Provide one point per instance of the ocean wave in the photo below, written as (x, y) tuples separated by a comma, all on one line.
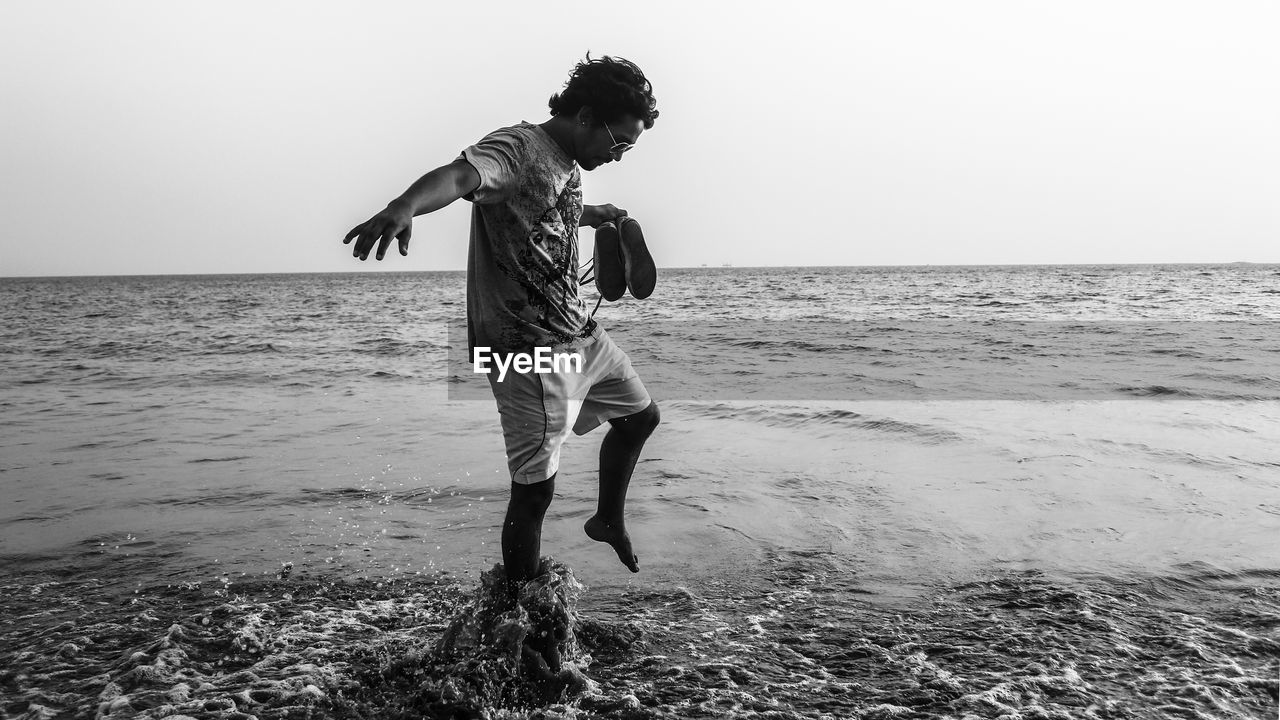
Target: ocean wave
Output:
[(238, 348), (392, 375), (825, 419), (1182, 393), (1158, 391), (391, 347), (242, 496)]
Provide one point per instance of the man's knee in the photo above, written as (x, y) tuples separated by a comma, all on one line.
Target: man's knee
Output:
[(533, 498), (641, 424)]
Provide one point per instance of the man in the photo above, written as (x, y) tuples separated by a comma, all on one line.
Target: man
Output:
[(522, 292)]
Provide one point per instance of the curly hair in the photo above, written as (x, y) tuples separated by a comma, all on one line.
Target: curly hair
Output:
[(611, 87)]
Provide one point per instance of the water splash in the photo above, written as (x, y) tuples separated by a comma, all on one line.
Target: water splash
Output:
[(291, 648), (511, 647), (797, 641)]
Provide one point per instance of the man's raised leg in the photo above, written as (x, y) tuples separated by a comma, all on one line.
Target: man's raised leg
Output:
[(618, 455), (522, 530)]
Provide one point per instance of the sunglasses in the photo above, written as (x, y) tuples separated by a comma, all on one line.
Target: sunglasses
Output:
[(618, 147)]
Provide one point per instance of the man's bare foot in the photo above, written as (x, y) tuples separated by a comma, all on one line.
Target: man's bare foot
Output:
[(616, 535), (610, 270), (641, 273)]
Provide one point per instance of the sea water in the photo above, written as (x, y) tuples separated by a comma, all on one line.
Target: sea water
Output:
[(1020, 492)]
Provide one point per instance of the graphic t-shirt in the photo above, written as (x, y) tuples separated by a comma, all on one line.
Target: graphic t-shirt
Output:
[(522, 267)]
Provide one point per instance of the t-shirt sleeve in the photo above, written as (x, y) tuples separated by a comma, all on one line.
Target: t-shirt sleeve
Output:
[(497, 159)]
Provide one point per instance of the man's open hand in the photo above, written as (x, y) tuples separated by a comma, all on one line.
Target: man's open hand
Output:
[(395, 221)]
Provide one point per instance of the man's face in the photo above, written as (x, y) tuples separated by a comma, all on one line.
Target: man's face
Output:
[(609, 142)]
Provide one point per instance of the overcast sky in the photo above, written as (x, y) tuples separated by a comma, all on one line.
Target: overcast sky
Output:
[(185, 137)]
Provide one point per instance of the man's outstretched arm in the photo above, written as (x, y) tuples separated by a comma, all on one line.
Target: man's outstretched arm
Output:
[(428, 194)]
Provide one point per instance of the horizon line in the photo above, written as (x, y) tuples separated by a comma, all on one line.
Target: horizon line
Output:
[(673, 267)]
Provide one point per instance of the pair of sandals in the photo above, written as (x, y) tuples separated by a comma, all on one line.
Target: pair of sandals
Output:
[(622, 261)]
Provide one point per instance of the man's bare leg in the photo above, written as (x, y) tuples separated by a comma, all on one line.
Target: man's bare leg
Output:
[(618, 455), (521, 557), (522, 530)]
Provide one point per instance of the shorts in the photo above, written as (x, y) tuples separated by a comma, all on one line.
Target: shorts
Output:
[(539, 409)]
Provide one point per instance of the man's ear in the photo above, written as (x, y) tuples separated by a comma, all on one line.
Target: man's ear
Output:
[(585, 115)]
